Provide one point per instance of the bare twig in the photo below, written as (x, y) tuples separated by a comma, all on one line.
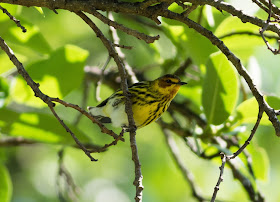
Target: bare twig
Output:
[(135, 33), (275, 9), (13, 19), (275, 16), (189, 10), (226, 158), (111, 144), (247, 142), (264, 28), (233, 141), (223, 6), (116, 39), (72, 134), (216, 189), (123, 46)]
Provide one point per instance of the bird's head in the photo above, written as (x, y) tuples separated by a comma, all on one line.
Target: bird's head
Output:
[(168, 84)]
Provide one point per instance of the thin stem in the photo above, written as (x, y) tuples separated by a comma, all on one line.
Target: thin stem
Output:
[(13, 19)]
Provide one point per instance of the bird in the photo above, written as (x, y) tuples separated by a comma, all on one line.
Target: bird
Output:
[(150, 99)]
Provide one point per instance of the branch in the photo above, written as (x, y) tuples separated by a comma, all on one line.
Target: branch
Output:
[(275, 9), (247, 142), (223, 6), (135, 33), (275, 16), (121, 55), (128, 105), (189, 10), (233, 141), (13, 19), (216, 189), (108, 145), (226, 158), (264, 28), (87, 152)]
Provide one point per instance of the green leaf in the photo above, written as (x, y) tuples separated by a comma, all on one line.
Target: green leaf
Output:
[(260, 162), (192, 93), (40, 10), (188, 43), (5, 185), (57, 75), (247, 111), (273, 101), (4, 91), (39, 127), (220, 89), (195, 44), (242, 45)]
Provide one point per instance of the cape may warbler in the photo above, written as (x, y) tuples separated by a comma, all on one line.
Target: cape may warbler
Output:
[(149, 100)]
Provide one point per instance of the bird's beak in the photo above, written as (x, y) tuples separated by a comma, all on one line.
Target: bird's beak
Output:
[(182, 83)]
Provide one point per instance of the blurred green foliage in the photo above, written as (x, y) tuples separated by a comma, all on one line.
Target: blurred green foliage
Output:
[(55, 50)]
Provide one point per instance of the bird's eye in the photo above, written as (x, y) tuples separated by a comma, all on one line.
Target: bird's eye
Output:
[(168, 81)]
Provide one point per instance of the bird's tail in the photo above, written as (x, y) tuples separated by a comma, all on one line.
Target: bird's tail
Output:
[(97, 112)]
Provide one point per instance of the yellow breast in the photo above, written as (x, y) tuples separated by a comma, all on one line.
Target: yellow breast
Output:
[(146, 114)]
